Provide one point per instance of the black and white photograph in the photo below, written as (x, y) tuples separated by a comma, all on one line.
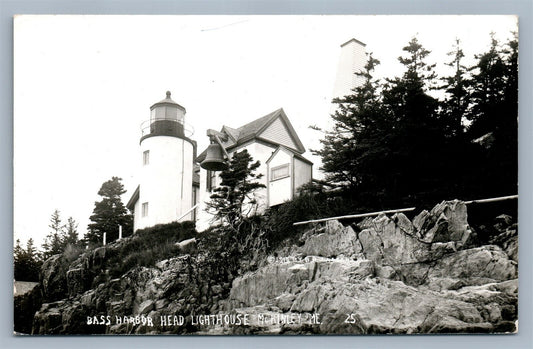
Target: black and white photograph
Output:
[(265, 175)]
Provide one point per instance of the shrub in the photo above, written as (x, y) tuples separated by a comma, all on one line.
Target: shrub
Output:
[(147, 246), (72, 252), (312, 202)]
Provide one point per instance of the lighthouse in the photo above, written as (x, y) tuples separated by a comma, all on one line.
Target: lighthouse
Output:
[(165, 193)]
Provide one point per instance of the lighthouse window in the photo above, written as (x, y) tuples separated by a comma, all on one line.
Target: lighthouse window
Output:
[(145, 209), (146, 157)]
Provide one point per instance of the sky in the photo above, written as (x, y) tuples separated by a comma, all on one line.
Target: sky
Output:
[(84, 84)]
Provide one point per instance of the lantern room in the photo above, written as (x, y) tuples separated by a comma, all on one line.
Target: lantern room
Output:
[(167, 118)]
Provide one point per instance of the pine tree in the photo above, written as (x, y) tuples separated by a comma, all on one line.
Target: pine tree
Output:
[(71, 232), (415, 165), (18, 255), (35, 261), (394, 144), (353, 151), (488, 83), (233, 199), (506, 131), (53, 243), (494, 116), (463, 172), (27, 262), (457, 100), (109, 213)]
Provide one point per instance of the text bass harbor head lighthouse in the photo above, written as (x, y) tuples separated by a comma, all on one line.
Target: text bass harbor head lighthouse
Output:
[(166, 192)]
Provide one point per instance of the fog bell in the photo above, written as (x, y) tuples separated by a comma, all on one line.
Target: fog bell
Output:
[(214, 160)]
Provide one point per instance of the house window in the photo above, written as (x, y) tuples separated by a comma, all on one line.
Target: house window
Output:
[(211, 180), (146, 157), (279, 172), (145, 209)]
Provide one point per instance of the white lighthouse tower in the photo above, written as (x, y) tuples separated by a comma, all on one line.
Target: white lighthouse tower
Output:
[(165, 191)]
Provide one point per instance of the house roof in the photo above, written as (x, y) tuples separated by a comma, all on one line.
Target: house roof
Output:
[(353, 40), (295, 154), (253, 130), (231, 132), (131, 202)]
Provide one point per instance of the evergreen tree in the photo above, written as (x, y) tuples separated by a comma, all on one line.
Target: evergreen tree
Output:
[(506, 131), (488, 82), (233, 199), (394, 144), (354, 151), (494, 116), (463, 171), (109, 213), (53, 243), (18, 255), (457, 99), (27, 262), (71, 232), (415, 166)]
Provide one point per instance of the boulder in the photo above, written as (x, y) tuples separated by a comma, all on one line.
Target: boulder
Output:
[(145, 307), (271, 281), (446, 222), (284, 301), (379, 306), (332, 240), (419, 222), (66, 317), (27, 300), (48, 322), (474, 266), (482, 262), (342, 269), (78, 281), (507, 239), (161, 303), (392, 241), (54, 278), (502, 222), (386, 306)]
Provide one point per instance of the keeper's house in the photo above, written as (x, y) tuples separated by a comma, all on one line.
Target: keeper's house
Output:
[(273, 141)]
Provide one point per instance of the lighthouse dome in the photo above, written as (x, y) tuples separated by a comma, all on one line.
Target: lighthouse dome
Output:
[(167, 118), (167, 101), (167, 109)]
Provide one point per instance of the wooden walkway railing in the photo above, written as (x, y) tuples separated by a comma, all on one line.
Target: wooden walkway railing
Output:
[(361, 215)]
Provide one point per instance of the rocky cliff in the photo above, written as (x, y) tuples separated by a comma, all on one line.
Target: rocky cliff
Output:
[(27, 300), (381, 275)]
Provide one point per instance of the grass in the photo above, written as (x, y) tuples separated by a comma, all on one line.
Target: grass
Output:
[(147, 246)]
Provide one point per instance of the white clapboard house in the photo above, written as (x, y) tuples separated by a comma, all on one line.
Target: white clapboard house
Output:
[(273, 141)]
